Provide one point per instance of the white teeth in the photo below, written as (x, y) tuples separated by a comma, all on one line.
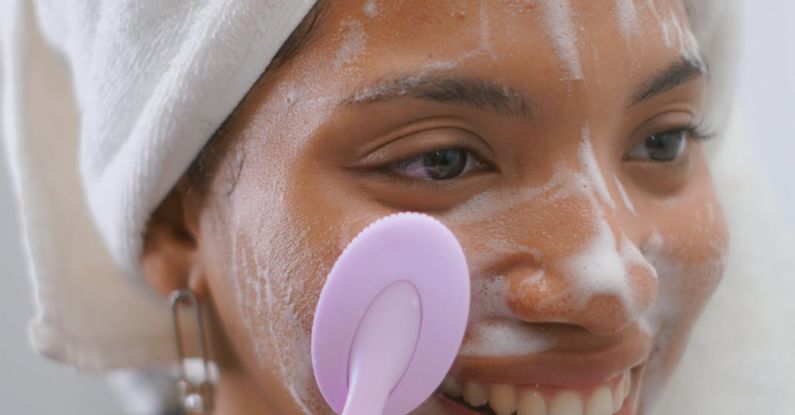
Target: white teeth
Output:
[(606, 399), (620, 393), (452, 388), (601, 402), (566, 403), (618, 398), (502, 399), (531, 403), (475, 394)]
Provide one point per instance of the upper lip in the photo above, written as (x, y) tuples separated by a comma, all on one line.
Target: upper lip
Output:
[(574, 364)]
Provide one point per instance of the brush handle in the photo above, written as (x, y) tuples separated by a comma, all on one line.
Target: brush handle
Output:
[(382, 349)]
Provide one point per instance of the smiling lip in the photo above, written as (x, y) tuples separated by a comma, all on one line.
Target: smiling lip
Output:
[(586, 374), (568, 366)]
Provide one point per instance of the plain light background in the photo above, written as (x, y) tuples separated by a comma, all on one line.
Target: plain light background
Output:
[(31, 385), (767, 92)]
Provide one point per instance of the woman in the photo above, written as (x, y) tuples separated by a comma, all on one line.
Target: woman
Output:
[(562, 142)]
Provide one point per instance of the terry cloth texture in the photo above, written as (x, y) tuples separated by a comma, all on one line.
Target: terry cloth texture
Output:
[(152, 81)]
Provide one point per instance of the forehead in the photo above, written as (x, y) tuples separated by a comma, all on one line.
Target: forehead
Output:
[(565, 40)]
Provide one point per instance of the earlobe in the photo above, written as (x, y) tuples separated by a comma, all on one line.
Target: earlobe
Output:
[(169, 259), (197, 283)]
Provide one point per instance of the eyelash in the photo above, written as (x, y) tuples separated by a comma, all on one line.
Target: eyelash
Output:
[(694, 131), (476, 158)]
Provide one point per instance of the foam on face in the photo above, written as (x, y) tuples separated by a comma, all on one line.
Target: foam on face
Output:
[(666, 308), (493, 331), (370, 8), (627, 202), (276, 301), (354, 40), (632, 255), (276, 314), (264, 257), (627, 16), (688, 43), (503, 338), (675, 278), (355, 44), (564, 183), (601, 266), (277, 263), (562, 33), (679, 35), (599, 269), (493, 202), (655, 14), (591, 169), (485, 30)]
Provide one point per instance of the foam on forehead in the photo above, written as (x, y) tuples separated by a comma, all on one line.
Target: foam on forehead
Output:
[(562, 32), (627, 15), (370, 8), (353, 43)]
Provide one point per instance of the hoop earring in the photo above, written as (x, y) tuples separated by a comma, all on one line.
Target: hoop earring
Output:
[(196, 396)]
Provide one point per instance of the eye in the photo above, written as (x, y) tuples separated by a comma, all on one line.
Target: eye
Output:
[(661, 147), (444, 164)]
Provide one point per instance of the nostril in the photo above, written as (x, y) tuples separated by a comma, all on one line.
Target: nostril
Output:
[(602, 296)]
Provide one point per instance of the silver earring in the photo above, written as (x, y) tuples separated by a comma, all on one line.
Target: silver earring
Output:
[(196, 396)]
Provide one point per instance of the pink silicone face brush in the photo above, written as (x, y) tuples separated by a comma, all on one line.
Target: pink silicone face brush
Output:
[(391, 316)]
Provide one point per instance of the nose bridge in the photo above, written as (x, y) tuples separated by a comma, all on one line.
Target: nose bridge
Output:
[(594, 276)]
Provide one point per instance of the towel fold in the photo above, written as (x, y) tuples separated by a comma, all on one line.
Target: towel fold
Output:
[(152, 81)]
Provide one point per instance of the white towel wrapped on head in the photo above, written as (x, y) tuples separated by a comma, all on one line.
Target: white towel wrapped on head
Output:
[(153, 80)]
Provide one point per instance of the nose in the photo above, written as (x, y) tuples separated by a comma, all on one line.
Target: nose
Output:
[(586, 268), (602, 283)]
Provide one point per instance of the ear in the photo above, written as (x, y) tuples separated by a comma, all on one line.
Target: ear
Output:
[(170, 257)]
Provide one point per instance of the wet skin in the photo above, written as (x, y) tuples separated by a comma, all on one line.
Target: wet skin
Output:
[(468, 111)]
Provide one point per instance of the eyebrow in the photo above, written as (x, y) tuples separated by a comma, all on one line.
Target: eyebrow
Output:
[(476, 93), (678, 73), (502, 99)]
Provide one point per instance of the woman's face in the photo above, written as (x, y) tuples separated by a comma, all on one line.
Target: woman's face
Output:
[(559, 141)]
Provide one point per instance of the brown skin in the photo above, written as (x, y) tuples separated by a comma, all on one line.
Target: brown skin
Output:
[(300, 178)]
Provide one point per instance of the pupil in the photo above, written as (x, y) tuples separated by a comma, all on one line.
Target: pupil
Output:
[(665, 146), (444, 164)]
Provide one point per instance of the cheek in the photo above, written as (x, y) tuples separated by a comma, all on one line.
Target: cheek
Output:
[(689, 258), (269, 281), (273, 255), (285, 240)]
